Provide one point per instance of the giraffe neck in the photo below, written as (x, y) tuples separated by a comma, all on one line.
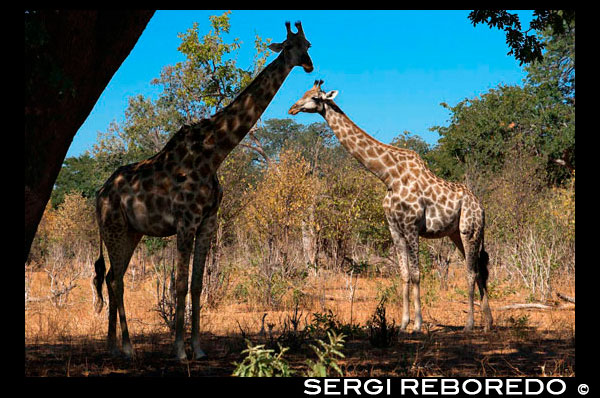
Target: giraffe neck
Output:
[(232, 123), (366, 149)]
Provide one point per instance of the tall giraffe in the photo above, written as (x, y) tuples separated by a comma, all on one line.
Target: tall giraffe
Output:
[(417, 203), (176, 192)]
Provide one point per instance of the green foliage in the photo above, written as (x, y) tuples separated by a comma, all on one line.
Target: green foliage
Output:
[(260, 361), (525, 48), (210, 78), (415, 143), (154, 244), (80, 174), (539, 116), (350, 207), (326, 323), (327, 356), (480, 129), (554, 76), (207, 80)]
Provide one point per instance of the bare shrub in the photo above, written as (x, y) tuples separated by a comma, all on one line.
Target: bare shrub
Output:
[(274, 218), (63, 274), (533, 260), (163, 265)]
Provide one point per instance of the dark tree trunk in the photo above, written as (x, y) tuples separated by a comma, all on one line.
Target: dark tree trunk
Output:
[(70, 56)]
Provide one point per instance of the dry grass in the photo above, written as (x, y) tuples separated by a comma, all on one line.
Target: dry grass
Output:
[(69, 341)]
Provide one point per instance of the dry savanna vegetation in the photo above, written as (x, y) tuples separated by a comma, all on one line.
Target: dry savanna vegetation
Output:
[(260, 285), (301, 277)]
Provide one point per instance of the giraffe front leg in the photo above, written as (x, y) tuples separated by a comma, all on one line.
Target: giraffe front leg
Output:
[(203, 238), (401, 248), (412, 239), (184, 245), (405, 303)]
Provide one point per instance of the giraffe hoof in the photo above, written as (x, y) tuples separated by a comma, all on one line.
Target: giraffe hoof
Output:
[(181, 356), (114, 352), (127, 351)]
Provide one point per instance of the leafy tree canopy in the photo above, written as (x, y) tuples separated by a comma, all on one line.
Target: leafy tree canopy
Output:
[(207, 80), (538, 117), (526, 48)]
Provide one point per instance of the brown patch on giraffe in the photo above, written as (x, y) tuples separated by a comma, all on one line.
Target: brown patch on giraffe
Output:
[(160, 203), (374, 164), (387, 160)]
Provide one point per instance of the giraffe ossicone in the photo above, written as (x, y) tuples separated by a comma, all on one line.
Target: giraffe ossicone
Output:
[(176, 192), (417, 203)]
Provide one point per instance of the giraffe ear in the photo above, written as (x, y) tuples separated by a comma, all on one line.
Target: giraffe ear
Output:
[(276, 47), (331, 95)]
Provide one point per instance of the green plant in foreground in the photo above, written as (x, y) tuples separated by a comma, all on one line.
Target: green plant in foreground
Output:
[(260, 361), (326, 356), (323, 323)]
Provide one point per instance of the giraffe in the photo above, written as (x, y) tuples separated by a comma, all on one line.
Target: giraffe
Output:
[(176, 192), (417, 203)]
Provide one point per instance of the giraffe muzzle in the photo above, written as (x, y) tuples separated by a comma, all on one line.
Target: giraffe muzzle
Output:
[(308, 68), (295, 109)]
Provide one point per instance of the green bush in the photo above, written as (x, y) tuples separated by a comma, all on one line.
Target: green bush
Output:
[(261, 362)]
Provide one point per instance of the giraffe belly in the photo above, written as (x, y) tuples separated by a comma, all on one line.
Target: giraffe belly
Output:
[(436, 223), (146, 219)]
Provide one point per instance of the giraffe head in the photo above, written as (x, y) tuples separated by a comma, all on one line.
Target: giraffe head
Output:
[(295, 48), (313, 100)]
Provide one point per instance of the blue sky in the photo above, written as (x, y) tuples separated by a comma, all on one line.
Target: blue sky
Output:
[(392, 68)]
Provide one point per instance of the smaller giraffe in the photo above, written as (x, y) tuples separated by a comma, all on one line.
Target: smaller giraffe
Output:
[(417, 203)]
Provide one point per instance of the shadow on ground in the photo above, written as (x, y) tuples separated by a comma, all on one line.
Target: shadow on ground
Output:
[(441, 351)]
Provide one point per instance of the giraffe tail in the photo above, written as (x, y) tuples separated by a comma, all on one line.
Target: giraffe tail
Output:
[(100, 268), (482, 265)]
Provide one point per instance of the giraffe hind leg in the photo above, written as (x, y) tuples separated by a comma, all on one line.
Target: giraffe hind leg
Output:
[(119, 252), (185, 240), (476, 259), (202, 243), (482, 276)]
